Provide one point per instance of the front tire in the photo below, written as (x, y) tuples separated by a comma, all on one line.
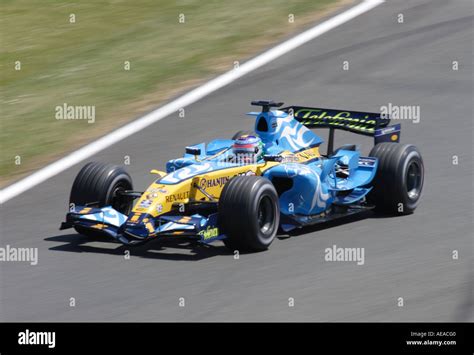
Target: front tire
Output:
[(398, 184), (99, 184), (249, 213)]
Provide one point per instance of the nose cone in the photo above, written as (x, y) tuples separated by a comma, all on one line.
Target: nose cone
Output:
[(152, 201)]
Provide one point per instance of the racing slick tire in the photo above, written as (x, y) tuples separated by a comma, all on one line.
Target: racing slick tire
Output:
[(100, 183), (242, 133), (249, 213), (398, 183)]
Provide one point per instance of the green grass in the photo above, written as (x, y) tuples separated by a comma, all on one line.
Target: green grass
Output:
[(82, 63)]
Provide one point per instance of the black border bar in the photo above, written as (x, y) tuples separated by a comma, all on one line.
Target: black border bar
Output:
[(334, 338)]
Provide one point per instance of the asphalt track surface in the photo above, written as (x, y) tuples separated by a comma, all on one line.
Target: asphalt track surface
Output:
[(409, 256)]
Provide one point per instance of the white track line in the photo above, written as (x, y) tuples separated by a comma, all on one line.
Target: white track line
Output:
[(133, 127)]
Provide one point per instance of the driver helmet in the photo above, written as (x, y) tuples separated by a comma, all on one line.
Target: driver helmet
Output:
[(248, 149)]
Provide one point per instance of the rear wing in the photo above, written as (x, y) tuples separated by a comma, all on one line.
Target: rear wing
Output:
[(365, 123)]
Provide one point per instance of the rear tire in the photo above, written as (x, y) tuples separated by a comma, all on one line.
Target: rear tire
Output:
[(249, 213), (398, 184), (99, 184)]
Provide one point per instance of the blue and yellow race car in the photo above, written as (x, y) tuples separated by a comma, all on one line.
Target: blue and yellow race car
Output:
[(245, 189)]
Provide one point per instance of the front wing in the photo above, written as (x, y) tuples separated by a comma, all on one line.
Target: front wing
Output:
[(140, 227)]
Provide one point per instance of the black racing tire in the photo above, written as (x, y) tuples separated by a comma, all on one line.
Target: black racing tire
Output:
[(249, 213), (398, 184), (242, 133), (98, 184)]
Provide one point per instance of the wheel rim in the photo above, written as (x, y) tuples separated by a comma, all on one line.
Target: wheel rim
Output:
[(265, 215), (120, 203), (413, 180)]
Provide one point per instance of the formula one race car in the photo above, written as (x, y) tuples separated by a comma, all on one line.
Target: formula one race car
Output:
[(243, 190)]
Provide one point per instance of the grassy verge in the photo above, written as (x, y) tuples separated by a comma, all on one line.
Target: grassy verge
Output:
[(76, 53)]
